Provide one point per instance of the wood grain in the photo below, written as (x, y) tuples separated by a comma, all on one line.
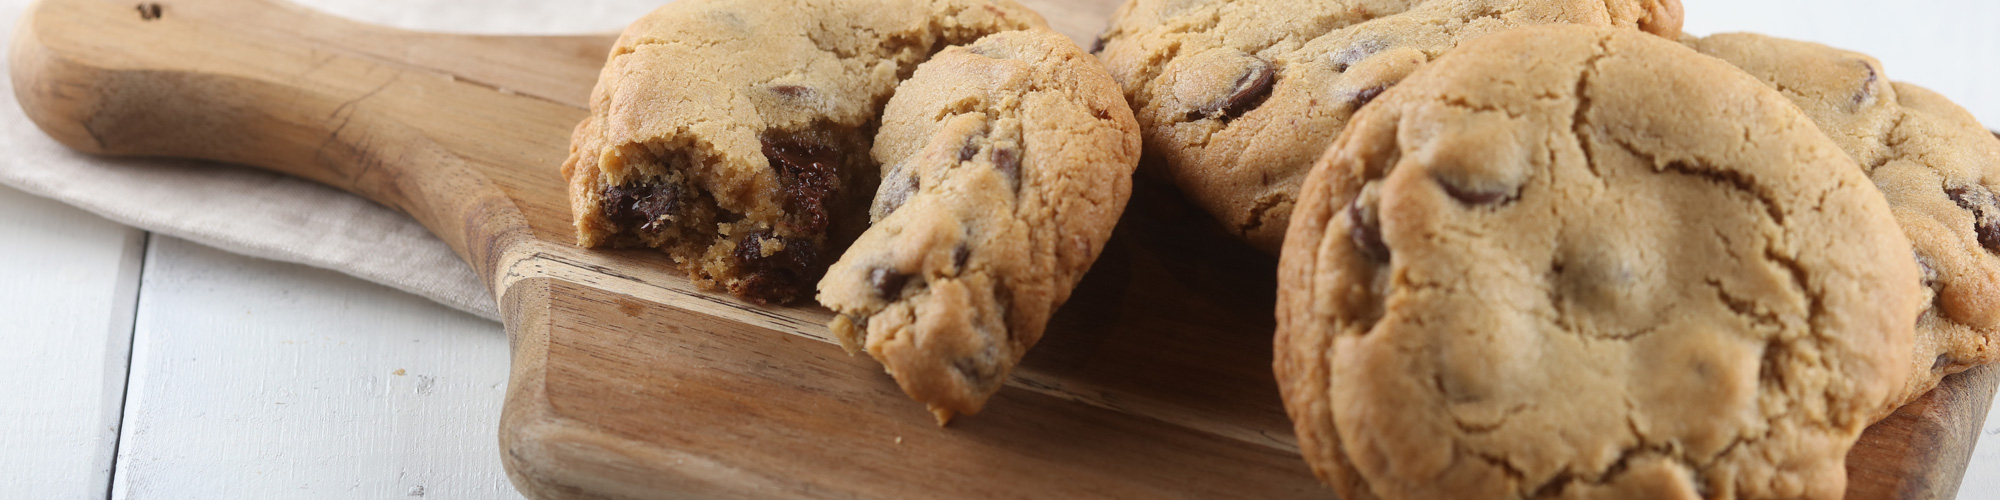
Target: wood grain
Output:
[(1921, 451), (1154, 382)]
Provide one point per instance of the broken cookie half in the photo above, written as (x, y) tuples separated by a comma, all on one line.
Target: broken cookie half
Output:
[(734, 134), (1007, 162)]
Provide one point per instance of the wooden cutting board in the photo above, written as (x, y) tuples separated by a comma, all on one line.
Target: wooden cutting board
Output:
[(1153, 382)]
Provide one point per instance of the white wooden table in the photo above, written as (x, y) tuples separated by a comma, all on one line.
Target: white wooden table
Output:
[(144, 366)]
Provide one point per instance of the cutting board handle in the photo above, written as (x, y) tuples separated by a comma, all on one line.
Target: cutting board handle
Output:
[(160, 79), (391, 115)]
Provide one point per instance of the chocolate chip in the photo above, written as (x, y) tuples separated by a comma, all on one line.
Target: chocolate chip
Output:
[(1868, 85), (1926, 271), (1008, 161), (644, 206), (809, 173), (1097, 46), (960, 255), (888, 283), (1368, 95), (1366, 233), (149, 11), (896, 190), (1474, 197), (980, 374), (1985, 213), (1249, 92), (1355, 53), (969, 150)]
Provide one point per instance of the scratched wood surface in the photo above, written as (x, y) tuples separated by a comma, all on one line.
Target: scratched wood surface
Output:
[(1154, 382)]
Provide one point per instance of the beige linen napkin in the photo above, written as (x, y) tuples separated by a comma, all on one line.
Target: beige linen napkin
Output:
[(278, 217)]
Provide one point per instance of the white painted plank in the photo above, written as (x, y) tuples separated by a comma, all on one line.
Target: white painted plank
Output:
[(1982, 475), (257, 379), (67, 286)]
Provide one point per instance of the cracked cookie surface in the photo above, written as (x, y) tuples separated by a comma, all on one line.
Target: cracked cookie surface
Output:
[(1237, 98), (1938, 167), (1575, 262), (734, 134), (1007, 162)]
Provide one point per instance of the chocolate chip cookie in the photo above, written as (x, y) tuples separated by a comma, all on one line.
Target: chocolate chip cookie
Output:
[(1586, 262), (734, 134), (1237, 98), (1007, 161), (1936, 164)]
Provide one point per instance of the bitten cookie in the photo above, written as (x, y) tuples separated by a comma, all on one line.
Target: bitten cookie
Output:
[(1578, 262), (1237, 98), (733, 134), (1007, 163), (1936, 164)]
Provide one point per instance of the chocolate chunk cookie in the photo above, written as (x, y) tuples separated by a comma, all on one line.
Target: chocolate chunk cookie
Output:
[(1586, 262), (1239, 97), (1936, 164), (1007, 163), (733, 134)]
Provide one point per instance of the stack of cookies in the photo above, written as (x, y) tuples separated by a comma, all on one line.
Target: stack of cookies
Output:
[(1554, 249), (1529, 248)]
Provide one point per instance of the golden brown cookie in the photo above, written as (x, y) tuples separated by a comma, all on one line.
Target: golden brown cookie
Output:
[(1936, 164), (1237, 98), (1008, 161), (734, 134), (1585, 262)]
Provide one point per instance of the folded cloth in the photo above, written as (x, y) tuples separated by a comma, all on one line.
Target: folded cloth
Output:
[(274, 216)]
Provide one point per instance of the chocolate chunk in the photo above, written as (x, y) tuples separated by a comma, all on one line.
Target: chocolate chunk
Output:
[(1985, 214), (751, 248), (809, 173), (1867, 85), (643, 207), (768, 287), (1008, 161), (1368, 95), (1367, 233), (778, 277), (1250, 91), (1474, 197), (888, 283)]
